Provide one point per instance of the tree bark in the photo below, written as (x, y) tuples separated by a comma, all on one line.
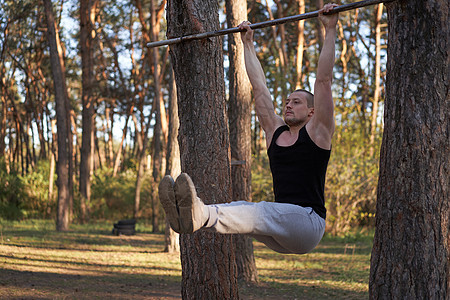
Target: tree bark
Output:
[(158, 104), (208, 263), (142, 142), (86, 31), (109, 124), (239, 115), (62, 103), (278, 35), (3, 117), (376, 93), (411, 251), (124, 135), (319, 28), (153, 61), (72, 153), (3, 91), (300, 46), (51, 176), (173, 166)]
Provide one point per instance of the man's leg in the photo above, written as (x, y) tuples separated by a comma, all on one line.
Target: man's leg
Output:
[(285, 228)]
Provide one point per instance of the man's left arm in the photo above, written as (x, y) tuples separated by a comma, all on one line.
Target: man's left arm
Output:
[(321, 126)]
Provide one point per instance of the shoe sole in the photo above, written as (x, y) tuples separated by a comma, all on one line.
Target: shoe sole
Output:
[(168, 202), (185, 194)]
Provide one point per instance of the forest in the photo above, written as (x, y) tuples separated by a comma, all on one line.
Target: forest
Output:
[(119, 91)]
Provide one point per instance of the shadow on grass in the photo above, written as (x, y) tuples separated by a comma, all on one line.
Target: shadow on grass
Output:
[(27, 261), (276, 291), (77, 240), (41, 285), (324, 248)]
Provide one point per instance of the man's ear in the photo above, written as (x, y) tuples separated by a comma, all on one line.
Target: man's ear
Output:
[(311, 112)]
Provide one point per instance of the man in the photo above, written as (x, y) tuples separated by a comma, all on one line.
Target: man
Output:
[(299, 148)]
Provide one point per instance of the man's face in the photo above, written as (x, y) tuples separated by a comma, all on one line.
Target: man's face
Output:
[(296, 110)]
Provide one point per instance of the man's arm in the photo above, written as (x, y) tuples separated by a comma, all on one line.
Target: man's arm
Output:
[(263, 100), (321, 125)]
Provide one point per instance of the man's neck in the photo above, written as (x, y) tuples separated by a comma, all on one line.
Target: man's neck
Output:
[(295, 129)]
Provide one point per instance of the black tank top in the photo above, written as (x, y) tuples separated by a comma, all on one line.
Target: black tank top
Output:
[(298, 171)]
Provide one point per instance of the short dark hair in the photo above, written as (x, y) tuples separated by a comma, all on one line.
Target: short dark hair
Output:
[(309, 96)]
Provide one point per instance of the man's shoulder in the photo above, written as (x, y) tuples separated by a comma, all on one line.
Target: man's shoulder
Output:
[(271, 129), (321, 135)]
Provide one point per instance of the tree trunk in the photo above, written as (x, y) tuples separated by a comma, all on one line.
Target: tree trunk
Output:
[(376, 93), (156, 16), (139, 181), (51, 176), (142, 142), (239, 115), (411, 251), (86, 30), (72, 154), (158, 104), (120, 148), (319, 28), (208, 263), (300, 46), (3, 114), (62, 102), (173, 166), (279, 45), (2, 121), (284, 61), (40, 127), (3, 92), (109, 123)]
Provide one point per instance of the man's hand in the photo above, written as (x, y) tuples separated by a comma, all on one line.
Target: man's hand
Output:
[(246, 36), (328, 21)]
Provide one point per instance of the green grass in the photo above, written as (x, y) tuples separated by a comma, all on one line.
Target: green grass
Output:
[(88, 262)]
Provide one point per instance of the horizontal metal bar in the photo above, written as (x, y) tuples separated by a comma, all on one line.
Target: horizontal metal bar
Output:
[(309, 15)]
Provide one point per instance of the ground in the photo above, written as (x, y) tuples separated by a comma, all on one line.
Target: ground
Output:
[(88, 262)]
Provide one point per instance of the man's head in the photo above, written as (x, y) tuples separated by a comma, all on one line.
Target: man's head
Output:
[(309, 96), (298, 108)]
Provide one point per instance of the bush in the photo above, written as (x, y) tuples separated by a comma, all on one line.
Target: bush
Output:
[(262, 184), (36, 184), (113, 197), (351, 187), (11, 194), (25, 196)]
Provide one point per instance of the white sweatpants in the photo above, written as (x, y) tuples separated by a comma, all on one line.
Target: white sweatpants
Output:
[(285, 228)]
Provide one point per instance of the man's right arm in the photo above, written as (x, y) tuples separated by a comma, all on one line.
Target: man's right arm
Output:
[(263, 100)]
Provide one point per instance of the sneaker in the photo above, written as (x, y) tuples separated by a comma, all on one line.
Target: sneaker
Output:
[(168, 202), (191, 208)]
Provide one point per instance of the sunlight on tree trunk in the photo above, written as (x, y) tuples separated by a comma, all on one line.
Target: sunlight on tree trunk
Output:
[(59, 80), (300, 46), (51, 176), (87, 10), (173, 166), (376, 95), (239, 115)]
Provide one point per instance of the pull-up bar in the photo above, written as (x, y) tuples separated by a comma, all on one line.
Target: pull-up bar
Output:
[(274, 22)]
